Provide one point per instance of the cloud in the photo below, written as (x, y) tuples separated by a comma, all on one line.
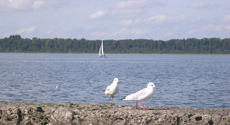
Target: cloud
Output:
[(126, 12), (197, 5), (139, 31), (37, 4), (132, 31), (158, 19), (207, 27), (127, 22), (16, 5), (96, 15), (227, 27), (162, 18), (89, 27), (134, 7), (49, 32), (134, 4), (8, 5), (219, 28), (211, 28), (227, 18), (98, 34), (130, 22), (122, 31), (27, 30), (167, 34)]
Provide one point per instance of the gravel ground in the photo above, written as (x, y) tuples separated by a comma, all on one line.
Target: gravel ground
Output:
[(26, 113)]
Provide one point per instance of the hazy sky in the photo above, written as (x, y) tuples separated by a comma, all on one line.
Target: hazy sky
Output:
[(115, 19)]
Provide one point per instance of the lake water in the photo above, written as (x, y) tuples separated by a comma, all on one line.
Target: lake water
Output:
[(201, 81)]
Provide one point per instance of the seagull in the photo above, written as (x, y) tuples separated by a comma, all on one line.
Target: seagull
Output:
[(142, 95), (112, 89)]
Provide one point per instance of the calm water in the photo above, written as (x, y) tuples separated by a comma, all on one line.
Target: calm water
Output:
[(201, 81)]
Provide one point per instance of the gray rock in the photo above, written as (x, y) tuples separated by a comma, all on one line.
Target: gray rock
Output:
[(27, 113), (63, 114)]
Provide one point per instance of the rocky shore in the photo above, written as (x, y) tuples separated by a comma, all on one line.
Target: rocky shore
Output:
[(26, 113)]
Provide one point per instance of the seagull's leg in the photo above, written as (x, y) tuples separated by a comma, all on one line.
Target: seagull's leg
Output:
[(143, 106), (112, 101), (136, 105), (109, 100)]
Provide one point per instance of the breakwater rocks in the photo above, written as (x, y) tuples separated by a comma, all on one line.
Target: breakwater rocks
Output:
[(25, 113)]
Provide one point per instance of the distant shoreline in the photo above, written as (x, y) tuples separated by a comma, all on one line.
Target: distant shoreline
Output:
[(15, 43)]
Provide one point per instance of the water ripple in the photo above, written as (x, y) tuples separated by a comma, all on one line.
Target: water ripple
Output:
[(200, 81)]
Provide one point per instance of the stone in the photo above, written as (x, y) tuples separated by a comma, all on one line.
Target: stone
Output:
[(27, 113), (63, 114)]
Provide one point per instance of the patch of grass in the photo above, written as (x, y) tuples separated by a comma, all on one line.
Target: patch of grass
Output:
[(49, 104), (80, 108), (94, 109), (77, 105), (104, 106)]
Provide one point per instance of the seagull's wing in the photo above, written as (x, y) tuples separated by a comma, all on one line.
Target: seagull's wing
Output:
[(108, 90), (136, 96)]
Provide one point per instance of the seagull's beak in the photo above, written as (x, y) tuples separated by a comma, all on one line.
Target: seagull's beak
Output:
[(155, 87)]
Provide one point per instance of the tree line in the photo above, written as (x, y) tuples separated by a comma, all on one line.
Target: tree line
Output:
[(15, 43)]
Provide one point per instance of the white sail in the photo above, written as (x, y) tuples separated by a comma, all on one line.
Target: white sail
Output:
[(101, 50)]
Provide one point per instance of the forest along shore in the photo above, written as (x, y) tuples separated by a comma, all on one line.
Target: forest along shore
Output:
[(17, 44), (33, 113)]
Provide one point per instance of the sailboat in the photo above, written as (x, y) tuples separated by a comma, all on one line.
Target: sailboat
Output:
[(101, 51)]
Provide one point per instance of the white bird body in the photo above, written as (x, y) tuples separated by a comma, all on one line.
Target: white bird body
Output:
[(112, 89), (142, 95)]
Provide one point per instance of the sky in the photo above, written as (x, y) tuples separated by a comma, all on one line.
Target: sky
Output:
[(115, 19)]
